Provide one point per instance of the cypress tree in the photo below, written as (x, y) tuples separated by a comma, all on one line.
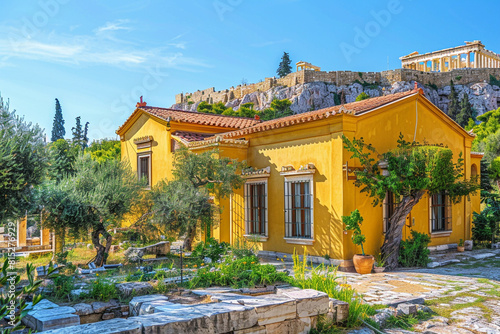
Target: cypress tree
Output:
[(284, 68), (454, 103), (77, 132), (58, 130), (466, 112), (85, 136)]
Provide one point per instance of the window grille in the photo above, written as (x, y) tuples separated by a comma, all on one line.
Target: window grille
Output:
[(440, 213), (256, 207), (298, 209)]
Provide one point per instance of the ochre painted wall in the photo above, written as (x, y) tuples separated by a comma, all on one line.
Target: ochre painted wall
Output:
[(320, 142)]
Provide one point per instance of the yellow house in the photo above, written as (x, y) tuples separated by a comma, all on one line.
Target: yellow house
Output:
[(302, 181)]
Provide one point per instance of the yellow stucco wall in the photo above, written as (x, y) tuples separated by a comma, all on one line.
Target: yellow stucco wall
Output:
[(320, 143)]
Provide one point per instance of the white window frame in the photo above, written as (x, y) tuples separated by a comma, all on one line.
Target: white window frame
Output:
[(289, 179), (256, 237), (142, 155)]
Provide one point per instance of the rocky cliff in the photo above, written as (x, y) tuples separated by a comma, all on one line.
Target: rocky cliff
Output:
[(318, 95)]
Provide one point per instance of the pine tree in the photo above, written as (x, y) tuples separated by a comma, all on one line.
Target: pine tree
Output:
[(85, 136), (77, 132), (58, 130), (466, 112), (284, 68), (454, 103)]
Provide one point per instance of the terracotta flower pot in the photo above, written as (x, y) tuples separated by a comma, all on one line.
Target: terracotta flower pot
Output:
[(460, 248), (363, 264), (378, 269)]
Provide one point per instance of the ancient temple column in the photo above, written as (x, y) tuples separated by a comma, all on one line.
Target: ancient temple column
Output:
[(467, 60), (442, 65), (425, 66)]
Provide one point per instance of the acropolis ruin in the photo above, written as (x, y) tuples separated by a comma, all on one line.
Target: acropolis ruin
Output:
[(470, 55)]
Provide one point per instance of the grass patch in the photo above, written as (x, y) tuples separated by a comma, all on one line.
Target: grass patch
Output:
[(408, 321), (446, 311)]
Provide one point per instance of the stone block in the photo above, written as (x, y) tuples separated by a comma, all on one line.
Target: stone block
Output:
[(406, 309), (395, 303), (139, 287), (309, 302), (108, 316), (483, 256), (228, 317), (270, 308), (340, 310), (91, 318), (150, 307), (136, 302), (113, 326), (299, 326), (51, 318), (83, 309), (433, 264), (101, 307), (252, 330), (442, 247), (188, 322)]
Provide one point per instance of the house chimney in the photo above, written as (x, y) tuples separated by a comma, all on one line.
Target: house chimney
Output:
[(140, 104)]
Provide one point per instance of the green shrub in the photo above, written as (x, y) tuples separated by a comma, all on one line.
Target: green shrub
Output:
[(494, 81), (324, 278), (245, 272), (62, 287), (353, 223), (102, 290), (413, 252), (325, 326), (211, 248), (362, 96)]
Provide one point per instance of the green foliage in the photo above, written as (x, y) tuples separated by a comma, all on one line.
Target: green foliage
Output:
[(62, 157), (211, 248), (353, 223), (485, 224), (494, 81), (22, 162), (14, 302), (184, 204), (278, 109), (325, 279), (407, 321), (362, 96), (244, 272), (466, 112), (411, 168), (325, 326), (80, 135), (284, 67), (62, 287), (413, 251), (336, 99), (454, 103), (104, 149), (58, 130), (102, 290)]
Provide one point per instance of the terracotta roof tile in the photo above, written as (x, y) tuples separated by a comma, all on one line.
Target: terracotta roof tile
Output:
[(194, 117), (191, 136), (355, 108)]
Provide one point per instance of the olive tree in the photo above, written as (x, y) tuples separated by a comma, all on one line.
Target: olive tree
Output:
[(411, 170), (185, 204), (93, 199)]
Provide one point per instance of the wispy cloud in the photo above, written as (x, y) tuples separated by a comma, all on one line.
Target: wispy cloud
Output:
[(113, 26), (269, 43), (94, 49)]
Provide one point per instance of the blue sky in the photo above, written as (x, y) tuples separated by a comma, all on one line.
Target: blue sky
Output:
[(98, 57)]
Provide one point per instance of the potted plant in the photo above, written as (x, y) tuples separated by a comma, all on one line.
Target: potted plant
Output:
[(363, 263), (460, 247), (379, 263)]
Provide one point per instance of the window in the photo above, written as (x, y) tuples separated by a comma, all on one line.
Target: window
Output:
[(440, 213), (144, 167), (299, 207), (390, 204), (256, 207)]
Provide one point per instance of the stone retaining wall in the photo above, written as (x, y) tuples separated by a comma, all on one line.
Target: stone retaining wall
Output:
[(290, 310)]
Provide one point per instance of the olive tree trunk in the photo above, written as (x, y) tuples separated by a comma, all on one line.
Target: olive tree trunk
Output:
[(102, 251), (190, 235), (394, 234)]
